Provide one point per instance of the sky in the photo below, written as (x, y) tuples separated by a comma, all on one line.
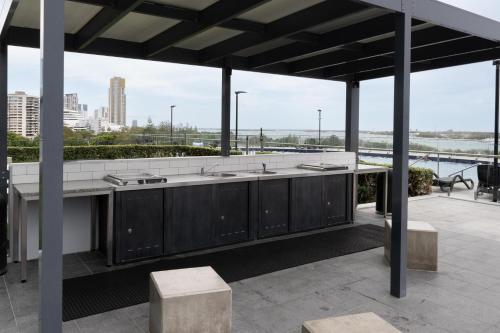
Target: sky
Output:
[(458, 98)]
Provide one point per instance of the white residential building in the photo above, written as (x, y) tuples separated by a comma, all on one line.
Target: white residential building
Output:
[(73, 119), (101, 113), (71, 101), (23, 114), (83, 109), (117, 101)]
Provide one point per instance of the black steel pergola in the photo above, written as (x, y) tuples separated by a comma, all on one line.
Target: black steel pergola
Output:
[(338, 40)]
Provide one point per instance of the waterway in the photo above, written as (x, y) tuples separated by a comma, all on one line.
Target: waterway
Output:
[(440, 144)]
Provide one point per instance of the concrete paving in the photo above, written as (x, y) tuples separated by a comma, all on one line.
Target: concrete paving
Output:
[(464, 296)]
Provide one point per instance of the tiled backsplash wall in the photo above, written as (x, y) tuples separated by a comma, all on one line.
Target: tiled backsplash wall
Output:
[(96, 169)]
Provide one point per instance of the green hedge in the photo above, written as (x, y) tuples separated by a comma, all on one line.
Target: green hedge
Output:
[(419, 183), (71, 153)]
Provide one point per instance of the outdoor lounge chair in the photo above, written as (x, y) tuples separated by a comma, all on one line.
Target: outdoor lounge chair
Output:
[(486, 177), (446, 184)]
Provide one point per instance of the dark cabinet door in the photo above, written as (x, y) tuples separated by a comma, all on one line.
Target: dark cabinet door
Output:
[(273, 207), (335, 199), (189, 218), (232, 213), (307, 203), (139, 224)]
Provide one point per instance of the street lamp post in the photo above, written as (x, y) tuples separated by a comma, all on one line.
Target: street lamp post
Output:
[(319, 127), (172, 124), (237, 93)]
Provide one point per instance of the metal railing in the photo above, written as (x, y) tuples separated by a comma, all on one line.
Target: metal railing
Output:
[(461, 172), (303, 143)]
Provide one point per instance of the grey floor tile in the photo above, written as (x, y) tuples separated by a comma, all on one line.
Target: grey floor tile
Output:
[(107, 322), (464, 296)]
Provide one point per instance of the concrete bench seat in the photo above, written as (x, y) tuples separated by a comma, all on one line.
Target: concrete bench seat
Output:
[(422, 245), (189, 300), (355, 323)]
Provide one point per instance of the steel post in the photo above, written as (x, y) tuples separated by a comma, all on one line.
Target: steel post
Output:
[(51, 163), (352, 117), (402, 62), (495, 146), (4, 176), (226, 112), (236, 130)]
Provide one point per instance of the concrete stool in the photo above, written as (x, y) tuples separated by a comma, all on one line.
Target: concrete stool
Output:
[(189, 300), (422, 245), (357, 323)]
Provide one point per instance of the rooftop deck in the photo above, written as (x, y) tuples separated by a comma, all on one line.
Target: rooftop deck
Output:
[(463, 297)]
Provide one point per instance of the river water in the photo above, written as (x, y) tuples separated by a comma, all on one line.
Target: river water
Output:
[(437, 143)]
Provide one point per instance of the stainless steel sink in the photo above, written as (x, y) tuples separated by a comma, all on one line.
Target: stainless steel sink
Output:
[(263, 172), (219, 174)]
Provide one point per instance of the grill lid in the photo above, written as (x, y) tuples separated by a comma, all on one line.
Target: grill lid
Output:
[(134, 179)]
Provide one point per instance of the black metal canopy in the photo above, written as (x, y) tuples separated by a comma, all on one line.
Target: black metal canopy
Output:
[(343, 40)]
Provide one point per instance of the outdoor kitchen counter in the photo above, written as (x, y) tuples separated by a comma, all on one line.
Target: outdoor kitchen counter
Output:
[(23, 193), (70, 188), (93, 188), (85, 187), (241, 176)]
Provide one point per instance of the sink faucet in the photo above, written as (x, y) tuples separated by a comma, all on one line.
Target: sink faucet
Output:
[(203, 171), (264, 166)]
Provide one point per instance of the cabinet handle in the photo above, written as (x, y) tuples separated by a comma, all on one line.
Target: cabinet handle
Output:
[(329, 203), (129, 231), (222, 217), (266, 211)]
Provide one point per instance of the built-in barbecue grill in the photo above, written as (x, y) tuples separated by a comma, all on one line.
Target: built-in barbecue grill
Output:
[(134, 179), (322, 167)]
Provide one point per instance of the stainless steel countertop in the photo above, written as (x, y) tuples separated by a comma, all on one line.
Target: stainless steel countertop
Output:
[(86, 187), (70, 188)]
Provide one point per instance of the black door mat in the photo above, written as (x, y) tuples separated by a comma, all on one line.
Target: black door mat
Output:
[(93, 294)]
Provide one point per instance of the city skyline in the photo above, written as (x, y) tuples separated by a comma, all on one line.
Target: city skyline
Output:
[(23, 116), (440, 99)]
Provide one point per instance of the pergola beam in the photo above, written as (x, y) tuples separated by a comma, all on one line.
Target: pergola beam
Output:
[(166, 11), (6, 14), (191, 15), (213, 15), (455, 18), (423, 37), (422, 54), (281, 28), (344, 36), (104, 20), (445, 15), (439, 63)]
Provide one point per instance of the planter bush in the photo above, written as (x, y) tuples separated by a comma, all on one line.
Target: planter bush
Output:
[(419, 183), (105, 152)]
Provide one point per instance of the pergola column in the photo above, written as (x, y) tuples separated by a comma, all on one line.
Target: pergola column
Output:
[(352, 117), (402, 66), (51, 163), (225, 143), (497, 116), (3, 157)]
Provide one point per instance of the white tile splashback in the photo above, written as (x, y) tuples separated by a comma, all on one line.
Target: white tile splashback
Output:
[(168, 166)]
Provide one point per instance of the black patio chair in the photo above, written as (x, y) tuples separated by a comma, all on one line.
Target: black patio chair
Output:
[(446, 184), (487, 182)]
